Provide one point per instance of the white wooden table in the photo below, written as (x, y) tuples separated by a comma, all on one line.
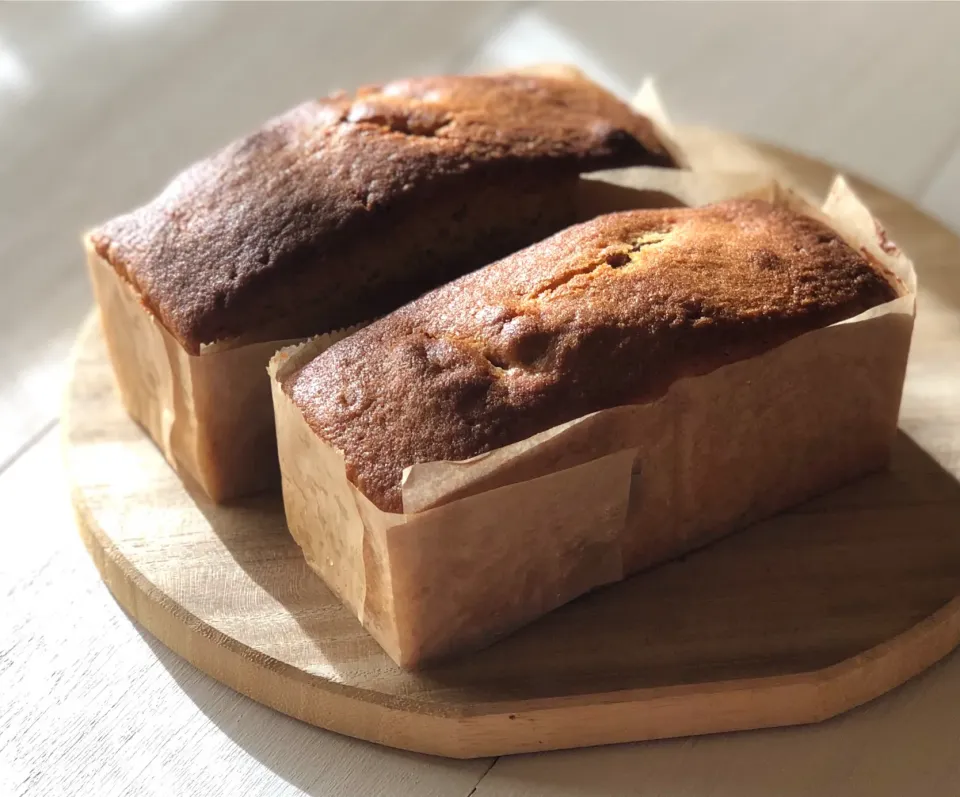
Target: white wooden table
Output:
[(100, 103)]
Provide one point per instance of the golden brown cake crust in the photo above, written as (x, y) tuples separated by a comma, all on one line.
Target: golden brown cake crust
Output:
[(605, 313), (332, 171)]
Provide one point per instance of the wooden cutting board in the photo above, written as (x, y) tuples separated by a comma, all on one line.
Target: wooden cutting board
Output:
[(791, 621)]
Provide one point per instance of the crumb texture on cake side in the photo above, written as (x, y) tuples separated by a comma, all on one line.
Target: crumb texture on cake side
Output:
[(606, 313)]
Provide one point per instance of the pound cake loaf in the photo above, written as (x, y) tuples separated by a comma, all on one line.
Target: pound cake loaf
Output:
[(618, 394), (334, 211), (605, 313), (328, 216)]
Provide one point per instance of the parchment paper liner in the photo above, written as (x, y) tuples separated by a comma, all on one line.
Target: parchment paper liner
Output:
[(211, 413), (491, 543)]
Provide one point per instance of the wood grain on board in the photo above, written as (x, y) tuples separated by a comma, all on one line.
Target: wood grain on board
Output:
[(790, 621)]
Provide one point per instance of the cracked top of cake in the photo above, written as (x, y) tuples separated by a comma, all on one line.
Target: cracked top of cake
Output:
[(209, 257), (605, 313)]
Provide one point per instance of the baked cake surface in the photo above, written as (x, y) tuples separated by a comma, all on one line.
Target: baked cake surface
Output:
[(344, 207), (602, 314)]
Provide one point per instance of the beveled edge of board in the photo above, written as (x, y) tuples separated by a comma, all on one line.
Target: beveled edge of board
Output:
[(523, 726)]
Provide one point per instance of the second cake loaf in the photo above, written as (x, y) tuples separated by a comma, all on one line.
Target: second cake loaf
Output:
[(627, 390)]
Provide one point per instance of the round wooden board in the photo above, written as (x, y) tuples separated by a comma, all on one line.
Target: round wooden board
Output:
[(791, 621)]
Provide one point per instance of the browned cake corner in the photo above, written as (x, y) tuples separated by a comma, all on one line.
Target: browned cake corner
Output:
[(286, 229), (605, 313)]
